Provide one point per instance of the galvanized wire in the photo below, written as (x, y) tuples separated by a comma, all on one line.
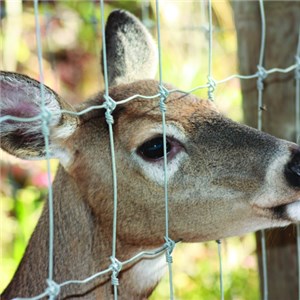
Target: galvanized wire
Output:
[(211, 82), (297, 110), (45, 119), (210, 92), (163, 97), (143, 254), (262, 74), (110, 105), (219, 243)]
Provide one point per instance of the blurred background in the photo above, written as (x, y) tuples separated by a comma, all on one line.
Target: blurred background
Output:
[(71, 38)]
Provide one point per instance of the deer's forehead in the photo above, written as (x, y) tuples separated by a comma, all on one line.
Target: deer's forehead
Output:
[(142, 120), (178, 103), (178, 107)]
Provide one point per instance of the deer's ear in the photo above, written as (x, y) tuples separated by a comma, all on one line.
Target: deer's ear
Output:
[(131, 51), (21, 98)]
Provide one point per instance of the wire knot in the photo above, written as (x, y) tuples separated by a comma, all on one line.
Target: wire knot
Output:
[(45, 129), (297, 70), (164, 93), (109, 118), (170, 245), (116, 267), (262, 75), (53, 288), (46, 118), (211, 87), (46, 114), (110, 106), (162, 105)]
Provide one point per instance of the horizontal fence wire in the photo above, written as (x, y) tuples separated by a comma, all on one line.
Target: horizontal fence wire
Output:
[(109, 270), (54, 288), (289, 69)]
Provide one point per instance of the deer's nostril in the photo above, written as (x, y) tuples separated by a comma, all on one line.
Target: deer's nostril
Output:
[(292, 169)]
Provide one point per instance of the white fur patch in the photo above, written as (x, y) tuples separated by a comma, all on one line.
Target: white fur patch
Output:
[(149, 271), (155, 171), (65, 131), (293, 211)]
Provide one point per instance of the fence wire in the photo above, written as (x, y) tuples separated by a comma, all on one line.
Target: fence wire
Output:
[(163, 108), (53, 289), (110, 105), (46, 117), (262, 75), (297, 110)]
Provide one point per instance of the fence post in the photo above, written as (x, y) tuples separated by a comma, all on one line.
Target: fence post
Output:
[(282, 26)]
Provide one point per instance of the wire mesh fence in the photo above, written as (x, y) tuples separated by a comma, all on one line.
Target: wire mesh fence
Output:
[(54, 288)]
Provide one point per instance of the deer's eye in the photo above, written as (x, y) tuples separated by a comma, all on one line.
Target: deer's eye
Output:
[(154, 149)]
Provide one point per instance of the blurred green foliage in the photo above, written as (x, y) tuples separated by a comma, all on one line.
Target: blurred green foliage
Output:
[(196, 271), (71, 47), (23, 190)]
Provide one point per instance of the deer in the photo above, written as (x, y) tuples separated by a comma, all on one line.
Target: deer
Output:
[(224, 178)]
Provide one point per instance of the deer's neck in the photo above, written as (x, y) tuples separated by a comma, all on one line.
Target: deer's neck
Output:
[(81, 248)]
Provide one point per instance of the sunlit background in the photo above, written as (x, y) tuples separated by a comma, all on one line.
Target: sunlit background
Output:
[(71, 37)]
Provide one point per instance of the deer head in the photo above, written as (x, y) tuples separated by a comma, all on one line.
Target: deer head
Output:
[(224, 178)]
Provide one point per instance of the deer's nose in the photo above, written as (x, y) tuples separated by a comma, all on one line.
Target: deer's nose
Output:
[(292, 169)]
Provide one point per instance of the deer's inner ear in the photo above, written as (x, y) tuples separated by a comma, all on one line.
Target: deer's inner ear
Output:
[(21, 98)]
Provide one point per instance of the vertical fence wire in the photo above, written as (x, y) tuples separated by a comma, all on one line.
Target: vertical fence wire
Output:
[(49, 19), (297, 97), (211, 89), (45, 121), (95, 26), (211, 81), (110, 106), (297, 93), (219, 243), (145, 6), (210, 37), (163, 97), (104, 59), (261, 76), (158, 41), (203, 17), (264, 264)]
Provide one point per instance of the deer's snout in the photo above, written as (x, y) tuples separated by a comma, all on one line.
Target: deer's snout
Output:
[(292, 169)]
